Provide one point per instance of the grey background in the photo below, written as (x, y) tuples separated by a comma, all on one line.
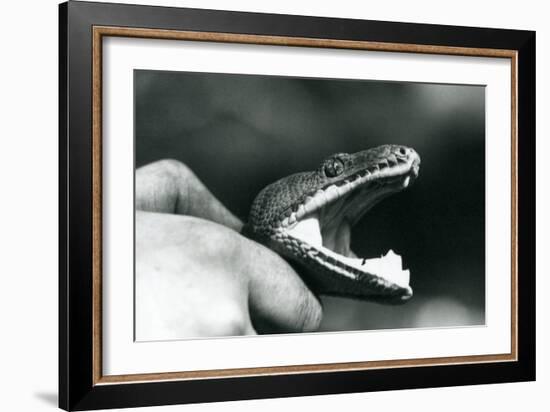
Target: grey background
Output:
[(241, 132)]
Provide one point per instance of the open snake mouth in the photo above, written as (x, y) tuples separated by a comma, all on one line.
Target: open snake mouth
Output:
[(324, 220)]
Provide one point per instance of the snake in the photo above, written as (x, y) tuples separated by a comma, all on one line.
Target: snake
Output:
[(307, 218)]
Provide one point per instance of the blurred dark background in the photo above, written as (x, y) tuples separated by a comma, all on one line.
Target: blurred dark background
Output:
[(239, 133)]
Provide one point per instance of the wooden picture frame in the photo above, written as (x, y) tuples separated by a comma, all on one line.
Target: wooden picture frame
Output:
[(82, 384)]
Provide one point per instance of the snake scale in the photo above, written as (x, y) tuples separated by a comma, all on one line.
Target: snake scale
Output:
[(307, 218)]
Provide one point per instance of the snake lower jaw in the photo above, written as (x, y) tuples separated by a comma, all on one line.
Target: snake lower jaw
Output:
[(382, 273)]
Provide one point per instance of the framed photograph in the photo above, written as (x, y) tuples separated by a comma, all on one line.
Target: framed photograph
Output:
[(256, 205)]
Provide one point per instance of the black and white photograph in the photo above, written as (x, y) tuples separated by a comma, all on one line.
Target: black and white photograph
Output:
[(277, 205)]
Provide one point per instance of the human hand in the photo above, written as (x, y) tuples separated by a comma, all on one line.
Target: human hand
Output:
[(196, 276)]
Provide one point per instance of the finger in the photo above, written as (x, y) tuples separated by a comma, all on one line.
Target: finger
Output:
[(279, 301), (168, 186)]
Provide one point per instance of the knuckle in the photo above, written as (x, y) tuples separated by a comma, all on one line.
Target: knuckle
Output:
[(176, 178), (172, 168)]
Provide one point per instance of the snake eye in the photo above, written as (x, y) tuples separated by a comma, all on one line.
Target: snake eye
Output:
[(333, 167)]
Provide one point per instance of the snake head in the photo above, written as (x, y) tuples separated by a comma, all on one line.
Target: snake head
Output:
[(341, 165), (307, 217)]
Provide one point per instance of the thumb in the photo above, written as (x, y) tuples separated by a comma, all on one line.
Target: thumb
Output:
[(169, 186)]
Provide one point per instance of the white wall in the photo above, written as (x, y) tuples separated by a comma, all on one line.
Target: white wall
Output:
[(28, 202)]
